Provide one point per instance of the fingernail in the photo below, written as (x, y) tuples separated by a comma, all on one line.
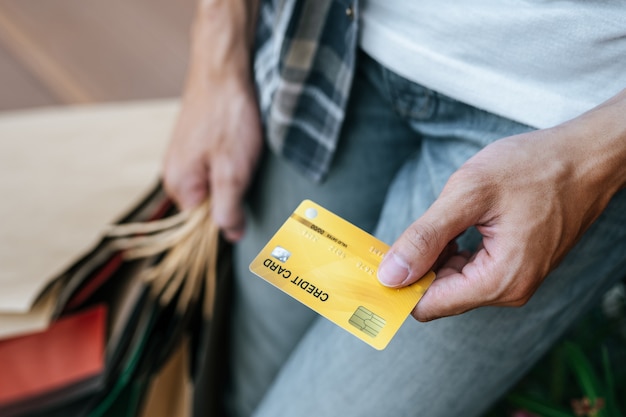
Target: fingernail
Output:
[(392, 271)]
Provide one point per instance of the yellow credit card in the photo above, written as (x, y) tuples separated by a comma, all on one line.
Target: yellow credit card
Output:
[(330, 265)]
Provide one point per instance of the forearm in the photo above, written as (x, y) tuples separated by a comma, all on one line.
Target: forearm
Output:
[(217, 137), (221, 40), (600, 145)]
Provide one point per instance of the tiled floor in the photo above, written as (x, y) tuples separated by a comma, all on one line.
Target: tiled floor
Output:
[(55, 52)]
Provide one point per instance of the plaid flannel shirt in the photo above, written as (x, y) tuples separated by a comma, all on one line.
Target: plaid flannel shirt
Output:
[(303, 66)]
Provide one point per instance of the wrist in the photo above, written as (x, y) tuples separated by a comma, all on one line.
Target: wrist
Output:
[(601, 133), (209, 93), (222, 38)]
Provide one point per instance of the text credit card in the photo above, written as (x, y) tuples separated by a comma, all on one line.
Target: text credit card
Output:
[(330, 265)]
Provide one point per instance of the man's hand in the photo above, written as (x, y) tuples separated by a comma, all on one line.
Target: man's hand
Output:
[(531, 197), (217, 138), (215, 147)]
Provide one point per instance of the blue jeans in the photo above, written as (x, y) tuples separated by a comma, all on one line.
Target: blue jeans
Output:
[(399, 145)]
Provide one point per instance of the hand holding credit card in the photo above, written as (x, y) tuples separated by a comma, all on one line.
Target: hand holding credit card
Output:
[(330, 265)]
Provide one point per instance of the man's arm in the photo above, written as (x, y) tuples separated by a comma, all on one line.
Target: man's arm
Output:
[(531, 196), (217, 138)]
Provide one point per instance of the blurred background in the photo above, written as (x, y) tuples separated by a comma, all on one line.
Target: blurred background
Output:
[(68, 52)]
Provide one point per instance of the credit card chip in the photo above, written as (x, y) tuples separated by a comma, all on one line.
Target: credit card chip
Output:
[(366, 321)]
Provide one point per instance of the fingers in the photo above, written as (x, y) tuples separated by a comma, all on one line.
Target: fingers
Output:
[(492, 276), (227, 188), (464, 281), (186, 184), (228, 185), (423, 243), (228, 214), (189, 184), (453, 264), (453, 291), (462, 284)]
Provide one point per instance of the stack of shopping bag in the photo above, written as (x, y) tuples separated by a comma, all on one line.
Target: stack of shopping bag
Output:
[(108, 301)]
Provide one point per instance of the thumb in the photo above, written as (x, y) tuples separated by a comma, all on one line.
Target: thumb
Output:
[(421, 244)]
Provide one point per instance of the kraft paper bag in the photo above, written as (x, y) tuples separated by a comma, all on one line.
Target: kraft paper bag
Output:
[(64, 174), (70, 233)]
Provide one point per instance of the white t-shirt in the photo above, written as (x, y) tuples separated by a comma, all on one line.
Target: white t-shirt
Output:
[(538, 62)]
